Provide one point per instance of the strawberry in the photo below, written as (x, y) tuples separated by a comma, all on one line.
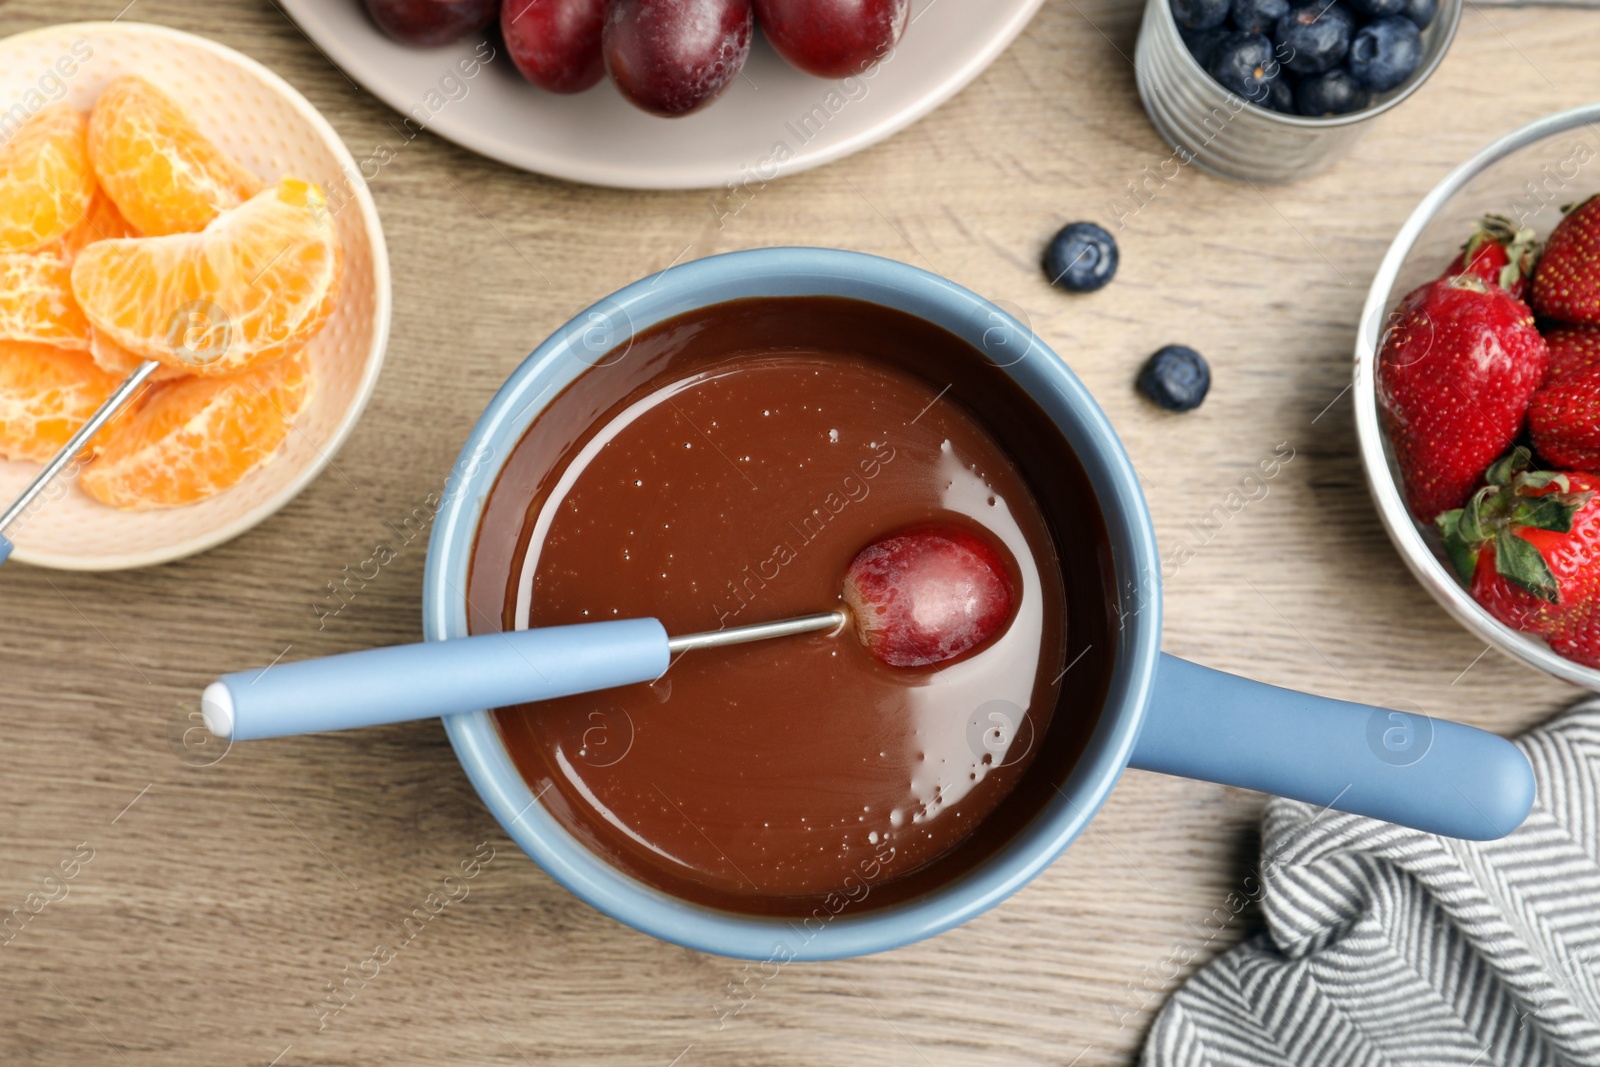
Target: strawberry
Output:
[(1500, 254), (1564, 415), (1565, 419), (1567, 284), (1528, 545), (1455, 374), (1572, 348)]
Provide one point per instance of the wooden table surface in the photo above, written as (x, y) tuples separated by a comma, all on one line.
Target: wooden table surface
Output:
[(221, 901)]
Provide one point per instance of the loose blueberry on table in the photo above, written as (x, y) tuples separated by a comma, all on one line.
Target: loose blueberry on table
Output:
[(1081, 258), (1176, 377)]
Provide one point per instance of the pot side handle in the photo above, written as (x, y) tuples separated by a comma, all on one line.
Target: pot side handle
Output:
[(1429, 774)]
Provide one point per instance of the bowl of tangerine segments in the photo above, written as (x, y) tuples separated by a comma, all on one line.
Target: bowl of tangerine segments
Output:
[(164, 198)]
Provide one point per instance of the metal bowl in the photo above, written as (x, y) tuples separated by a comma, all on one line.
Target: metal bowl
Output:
[(1526, 175), (1208, 125)]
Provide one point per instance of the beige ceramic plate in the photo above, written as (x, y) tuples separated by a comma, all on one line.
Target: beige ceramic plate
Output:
[(270, 128), (773, 120)]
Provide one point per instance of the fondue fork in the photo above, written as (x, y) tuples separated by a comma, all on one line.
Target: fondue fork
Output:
[(467, 674), (75, 444)]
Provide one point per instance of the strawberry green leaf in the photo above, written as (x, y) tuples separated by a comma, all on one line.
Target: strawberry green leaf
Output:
[(1553, 511), (1475, 524), (1502, 470), (1540, 479), (1463, 553), (1523, 253), (1519, 562), (1491, 229)]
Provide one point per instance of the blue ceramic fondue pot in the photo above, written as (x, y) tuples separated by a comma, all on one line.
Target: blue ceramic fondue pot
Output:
[(1161, 713)]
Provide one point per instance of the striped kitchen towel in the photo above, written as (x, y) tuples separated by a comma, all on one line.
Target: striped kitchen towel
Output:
[(1386, 946)]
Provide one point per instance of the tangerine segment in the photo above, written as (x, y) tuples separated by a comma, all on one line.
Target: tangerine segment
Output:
[(195, 437), (119, 361), (46, 181), (253, 287), (155, 164), (102, 222), (36, 301), (46, 393)]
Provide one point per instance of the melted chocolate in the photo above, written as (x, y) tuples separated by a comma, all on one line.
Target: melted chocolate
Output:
[(724, 470)]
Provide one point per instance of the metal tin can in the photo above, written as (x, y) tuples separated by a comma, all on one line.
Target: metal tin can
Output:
[(1221, 132)]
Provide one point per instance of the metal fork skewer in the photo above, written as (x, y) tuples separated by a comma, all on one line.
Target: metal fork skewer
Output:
[(805, 624), (69, 451)]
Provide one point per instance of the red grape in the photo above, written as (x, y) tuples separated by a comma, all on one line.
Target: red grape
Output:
[(671, 57), (927, 595), (556, 43), (431, 22), (833, 38)]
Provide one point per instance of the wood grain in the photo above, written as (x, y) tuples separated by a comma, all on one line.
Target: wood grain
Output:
[(220, 901)]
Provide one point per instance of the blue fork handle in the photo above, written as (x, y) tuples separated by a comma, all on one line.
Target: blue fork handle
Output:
[(1425, 773), (434, 678), (5, 548)]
